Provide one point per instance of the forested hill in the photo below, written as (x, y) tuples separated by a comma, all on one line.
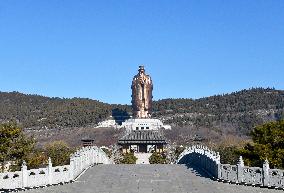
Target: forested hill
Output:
[(239, 110), (34, 110), (236, 111)]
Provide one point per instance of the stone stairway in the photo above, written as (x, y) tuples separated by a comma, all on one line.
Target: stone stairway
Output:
[(143, 158)]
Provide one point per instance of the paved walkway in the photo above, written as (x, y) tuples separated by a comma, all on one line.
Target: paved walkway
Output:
[(142, 158), (148, 179)]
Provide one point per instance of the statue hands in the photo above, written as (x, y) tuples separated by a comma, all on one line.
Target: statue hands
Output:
[(142, 80)]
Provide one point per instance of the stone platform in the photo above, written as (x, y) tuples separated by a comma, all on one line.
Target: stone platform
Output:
[(142, 124), (148, 179)]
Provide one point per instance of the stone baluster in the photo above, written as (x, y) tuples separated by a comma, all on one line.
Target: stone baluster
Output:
[(77, 164), (83, 160), (93, 155), (80, 162), (96, 156), (219, 172), (203, 157), (87, 158), (24, 170), (90, 157), (99, 156), (265, 171), (49, 170), (240, 169), (72, 168)]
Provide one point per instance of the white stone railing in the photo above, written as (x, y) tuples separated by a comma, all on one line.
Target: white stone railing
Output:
[(208, 160), (79, 162)]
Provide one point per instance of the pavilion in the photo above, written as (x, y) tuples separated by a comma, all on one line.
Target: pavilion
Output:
[(143, 141)]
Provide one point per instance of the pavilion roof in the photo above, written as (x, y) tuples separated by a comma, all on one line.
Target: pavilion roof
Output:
[(143, 136)]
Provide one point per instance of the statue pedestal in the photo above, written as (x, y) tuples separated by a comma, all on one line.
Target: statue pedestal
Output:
[(142, 124)]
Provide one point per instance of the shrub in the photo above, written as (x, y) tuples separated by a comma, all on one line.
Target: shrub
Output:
[(157, 158), (128, 158)]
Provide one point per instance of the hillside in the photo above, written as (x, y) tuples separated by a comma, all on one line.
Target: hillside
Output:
[(39, 111), (238, 111)]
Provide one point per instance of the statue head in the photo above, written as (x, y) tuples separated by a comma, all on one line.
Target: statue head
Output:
[(141, 69)]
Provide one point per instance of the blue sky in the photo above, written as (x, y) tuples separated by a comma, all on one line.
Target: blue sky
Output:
[(92, 49)]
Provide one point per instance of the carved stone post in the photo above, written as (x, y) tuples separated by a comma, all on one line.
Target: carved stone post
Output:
[(99, 156), (49, 170), (219, 172), (24, 174), (87, 159), (90, 157), (93, 155), (203, 158), (84, 159), (96, 156), (81, 161), (77, 164), (240, 170), (72, 168), (265, 171)]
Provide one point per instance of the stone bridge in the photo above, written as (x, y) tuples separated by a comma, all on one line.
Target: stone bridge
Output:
[(209, 161), (199, 171), (161, 178)]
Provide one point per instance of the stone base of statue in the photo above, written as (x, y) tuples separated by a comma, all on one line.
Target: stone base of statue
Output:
[(144, 124)]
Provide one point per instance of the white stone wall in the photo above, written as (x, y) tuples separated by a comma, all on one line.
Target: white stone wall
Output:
[(144, 124), (79, 161)]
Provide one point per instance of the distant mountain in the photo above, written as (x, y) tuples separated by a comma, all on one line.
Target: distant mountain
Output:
[(238, 111)]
